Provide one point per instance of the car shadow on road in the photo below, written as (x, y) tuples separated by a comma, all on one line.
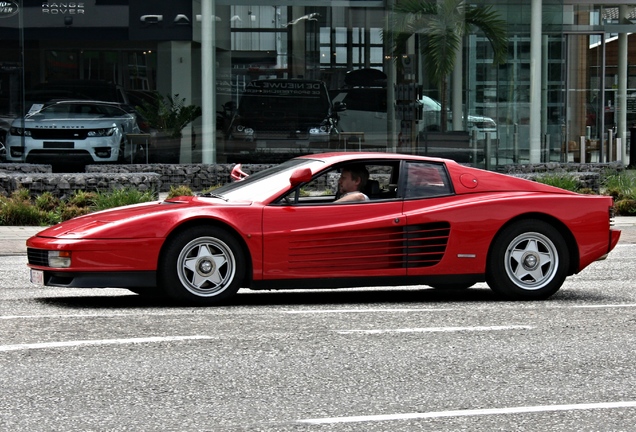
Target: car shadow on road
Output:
[(360, 297)]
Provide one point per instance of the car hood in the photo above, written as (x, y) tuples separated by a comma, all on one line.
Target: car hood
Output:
[(146, 220), (74, 123)]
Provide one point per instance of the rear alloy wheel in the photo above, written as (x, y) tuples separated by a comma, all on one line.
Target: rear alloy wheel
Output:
[(203, 265), (528, 261)]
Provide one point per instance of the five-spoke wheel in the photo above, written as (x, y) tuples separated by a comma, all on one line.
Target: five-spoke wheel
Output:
[(202, 265), (528, 260)]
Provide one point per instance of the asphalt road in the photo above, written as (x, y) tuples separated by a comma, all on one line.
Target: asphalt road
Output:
[(375, 359)]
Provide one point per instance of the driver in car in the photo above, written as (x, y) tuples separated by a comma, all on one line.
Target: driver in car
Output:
[(352, 181)]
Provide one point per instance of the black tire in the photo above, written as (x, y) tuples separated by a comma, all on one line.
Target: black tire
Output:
[(202, 265), (528, 260)]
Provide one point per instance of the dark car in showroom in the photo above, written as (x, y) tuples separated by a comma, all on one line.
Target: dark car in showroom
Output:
[(284, 115)]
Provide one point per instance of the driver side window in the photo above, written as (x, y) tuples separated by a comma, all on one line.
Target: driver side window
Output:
[(323, 189), (320, 190)]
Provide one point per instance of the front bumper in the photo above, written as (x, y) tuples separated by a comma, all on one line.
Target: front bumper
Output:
[(136, 279), (95, 149)]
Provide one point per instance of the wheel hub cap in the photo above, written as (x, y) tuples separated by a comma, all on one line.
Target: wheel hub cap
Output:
[(530, 261), (206, 267)]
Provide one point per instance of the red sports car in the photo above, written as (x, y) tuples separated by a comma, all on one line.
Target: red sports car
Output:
[(427, 221)]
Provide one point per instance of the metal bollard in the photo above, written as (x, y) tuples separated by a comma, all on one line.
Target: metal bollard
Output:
[(487, 152), (515, 144), (632, 146), (582, 150)]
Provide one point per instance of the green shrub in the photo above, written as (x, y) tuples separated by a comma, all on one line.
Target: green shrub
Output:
[(179, 191), (211, 188), (70, 211), (46, 209), (47, 202), (22, 195), (561, 180), (120, 197), (625, 207), (81, 198), (620, 185), (3, 203), (587, 191), (20, 212)]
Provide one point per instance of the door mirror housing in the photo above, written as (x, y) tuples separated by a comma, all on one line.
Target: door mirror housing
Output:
[(301, 175)]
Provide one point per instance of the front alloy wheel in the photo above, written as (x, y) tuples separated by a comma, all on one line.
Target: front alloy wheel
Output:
[(528, 260), (202, 265)]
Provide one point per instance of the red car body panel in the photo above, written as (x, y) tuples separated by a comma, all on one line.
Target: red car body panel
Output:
[(374, 239), (314, 241)]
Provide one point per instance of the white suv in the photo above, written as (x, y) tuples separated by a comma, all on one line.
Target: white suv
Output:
[(366, 111)]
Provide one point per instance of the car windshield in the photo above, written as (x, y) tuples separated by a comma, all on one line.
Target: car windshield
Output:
[(78, 110), (263, 184)]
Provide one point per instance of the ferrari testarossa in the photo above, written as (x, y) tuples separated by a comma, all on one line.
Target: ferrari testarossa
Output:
[(427, 221)]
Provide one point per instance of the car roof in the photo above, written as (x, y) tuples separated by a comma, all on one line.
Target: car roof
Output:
[(337, 157), (124, 107), (83, 102)]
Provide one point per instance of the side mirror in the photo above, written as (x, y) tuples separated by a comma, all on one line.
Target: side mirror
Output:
[(301, 175)]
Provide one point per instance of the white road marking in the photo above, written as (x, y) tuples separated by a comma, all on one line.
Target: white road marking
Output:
[(335, 311), (469, 413), (437, 329), (76, 343), (204, 314), (97, 315), (309, 311)]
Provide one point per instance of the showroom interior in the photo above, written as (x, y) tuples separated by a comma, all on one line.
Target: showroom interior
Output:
[(566, 91)]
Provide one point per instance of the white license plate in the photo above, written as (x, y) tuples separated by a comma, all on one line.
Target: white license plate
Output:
[(37, 277)]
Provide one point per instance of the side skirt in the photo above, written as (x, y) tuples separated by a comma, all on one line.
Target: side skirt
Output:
[(365, 282)]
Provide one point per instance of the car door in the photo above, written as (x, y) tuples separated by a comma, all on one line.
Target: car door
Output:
[(314, 237), (425, 187)]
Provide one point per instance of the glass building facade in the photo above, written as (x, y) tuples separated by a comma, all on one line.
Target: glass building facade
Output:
[(265, 80)]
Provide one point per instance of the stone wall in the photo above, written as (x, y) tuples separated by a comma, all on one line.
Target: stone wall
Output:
[(555, 167), (198, 177), (588, 175), (154, 177), (64, 184)]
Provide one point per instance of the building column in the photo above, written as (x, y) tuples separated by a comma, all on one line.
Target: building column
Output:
[(621, 95), (457, 83), (535, 82), (208, 81), (457, 87)]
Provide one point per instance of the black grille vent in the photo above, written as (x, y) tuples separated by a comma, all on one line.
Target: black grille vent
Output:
[(415, 246), (426, 244), (58, 134), (38, 257)]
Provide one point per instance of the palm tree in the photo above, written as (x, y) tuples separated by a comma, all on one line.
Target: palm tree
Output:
[(440, 26)]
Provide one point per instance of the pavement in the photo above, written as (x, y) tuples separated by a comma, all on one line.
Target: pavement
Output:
[(13, 238)]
